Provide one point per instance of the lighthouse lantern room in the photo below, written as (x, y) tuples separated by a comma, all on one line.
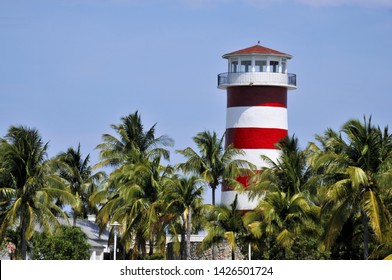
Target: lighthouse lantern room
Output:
[(256, 83)]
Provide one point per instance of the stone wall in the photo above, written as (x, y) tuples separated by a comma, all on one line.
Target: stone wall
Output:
[(222, 252)]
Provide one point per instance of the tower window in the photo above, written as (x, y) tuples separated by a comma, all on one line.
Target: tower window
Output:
[(234, 67), (261, 66), (246, 66), (274, 66)]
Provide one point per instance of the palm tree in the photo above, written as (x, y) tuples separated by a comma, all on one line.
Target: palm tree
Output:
[(290, 173), (133, 143), (214, 164), (287, 184), (78, 173), (135, 204), (225, 223), (282, 218), (28, 189), (131, 193), (356, 169), (183, 197)]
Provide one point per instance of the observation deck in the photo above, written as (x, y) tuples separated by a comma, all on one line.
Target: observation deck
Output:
[(229, 79)]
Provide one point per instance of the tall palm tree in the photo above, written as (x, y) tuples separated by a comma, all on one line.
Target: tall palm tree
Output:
[(134, 185), (225, 223), (286, 185), (183, 197), (356, 168), (213, 163), (28, 185), (78, 174)]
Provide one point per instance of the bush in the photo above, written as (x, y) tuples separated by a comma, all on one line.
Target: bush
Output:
[(69, 243)]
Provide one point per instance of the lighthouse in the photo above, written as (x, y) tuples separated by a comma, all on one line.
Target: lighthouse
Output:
[(256, 84)]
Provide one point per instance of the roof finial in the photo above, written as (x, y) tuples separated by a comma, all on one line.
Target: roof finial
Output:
[(258, 42)]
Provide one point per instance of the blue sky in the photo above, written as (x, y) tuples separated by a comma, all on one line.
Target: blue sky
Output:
[(70, 68)]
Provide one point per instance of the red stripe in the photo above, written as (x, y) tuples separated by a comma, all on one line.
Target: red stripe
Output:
[(257, 96), (242, 179), (254, 138)]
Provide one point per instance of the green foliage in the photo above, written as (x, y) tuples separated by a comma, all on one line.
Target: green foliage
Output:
[(28, 186), (304, 248), (131, 196), (183, 200), (224, 223), (354, 166), (77, 172), (282, 220), (213, 163), (290, 173), (332, 200), (68, 243), (155, 257)]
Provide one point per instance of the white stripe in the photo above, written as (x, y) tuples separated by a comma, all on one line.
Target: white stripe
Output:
[(254, 156), (257, 116), (244, 203)]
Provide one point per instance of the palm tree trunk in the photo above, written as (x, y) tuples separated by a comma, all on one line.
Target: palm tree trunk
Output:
[(365, 221), (213, 195), (135, 250), (74, 219), (188, 234), (23, 240), (213, 249), (151, 250), (143, 248), (183, 241), (232, 254)]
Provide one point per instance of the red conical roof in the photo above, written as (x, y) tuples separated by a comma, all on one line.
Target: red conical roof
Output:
[(257, 49)]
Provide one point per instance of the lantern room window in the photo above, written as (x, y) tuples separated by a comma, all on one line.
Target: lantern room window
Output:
[(260, 66), (234, 67), (246, 65), (274, 66)]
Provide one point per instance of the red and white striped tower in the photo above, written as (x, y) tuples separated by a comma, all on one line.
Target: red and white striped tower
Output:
[(256, 118)]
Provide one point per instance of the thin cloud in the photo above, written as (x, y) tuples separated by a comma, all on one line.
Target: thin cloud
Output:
[(268, 3), (365, 3), (254, 3)]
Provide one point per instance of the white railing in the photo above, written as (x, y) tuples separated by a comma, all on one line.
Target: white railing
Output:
[(256, 78)]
